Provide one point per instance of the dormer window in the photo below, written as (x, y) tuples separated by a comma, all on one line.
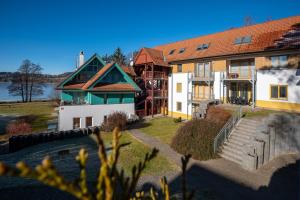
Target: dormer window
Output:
[(181, 50), (202, 47), (243, 40), (172, 51)]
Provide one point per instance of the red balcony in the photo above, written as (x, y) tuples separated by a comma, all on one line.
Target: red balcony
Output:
[(155, 75), (158, 93)]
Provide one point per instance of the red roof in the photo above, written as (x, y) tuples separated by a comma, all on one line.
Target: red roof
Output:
[(147, 55), (128, 70), (263, 36), (114, 87), (74, 86)]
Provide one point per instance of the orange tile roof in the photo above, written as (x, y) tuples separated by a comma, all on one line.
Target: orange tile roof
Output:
[(114, 87), (97, 75), (147, 55), (129, 70), (263, 36)]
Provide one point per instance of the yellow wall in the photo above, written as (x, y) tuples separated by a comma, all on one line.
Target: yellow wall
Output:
[(219, 65), (187, 67), (177, 114), (292, 107), (265, 62)]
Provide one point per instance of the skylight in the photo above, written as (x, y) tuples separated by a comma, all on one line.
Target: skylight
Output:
[(172, 51), (243, 40), (181, 50), (202, 47)]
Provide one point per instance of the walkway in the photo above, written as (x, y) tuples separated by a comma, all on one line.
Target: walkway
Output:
[(227, 179)]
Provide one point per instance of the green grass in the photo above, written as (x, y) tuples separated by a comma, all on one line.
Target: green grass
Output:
[(163, 129), (259, 113), (42, 111), (135, 152)]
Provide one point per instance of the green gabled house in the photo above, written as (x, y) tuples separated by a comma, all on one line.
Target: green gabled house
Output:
[(93, 91)]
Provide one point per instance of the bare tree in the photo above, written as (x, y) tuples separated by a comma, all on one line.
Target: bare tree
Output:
[(27, 82)]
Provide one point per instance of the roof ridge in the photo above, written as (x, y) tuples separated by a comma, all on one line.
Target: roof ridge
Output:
[(224, 31)]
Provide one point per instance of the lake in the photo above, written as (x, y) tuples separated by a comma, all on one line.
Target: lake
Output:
[(49, 91)]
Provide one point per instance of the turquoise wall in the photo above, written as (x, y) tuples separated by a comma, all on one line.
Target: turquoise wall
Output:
[(99, 98), (66, 96)]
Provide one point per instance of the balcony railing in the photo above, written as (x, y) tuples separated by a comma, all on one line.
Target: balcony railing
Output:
[(158, 93), (204, 77), (73, 103), (155, 75), (243, 75)]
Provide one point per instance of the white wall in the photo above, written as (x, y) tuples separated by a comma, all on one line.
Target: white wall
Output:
[(67, 113), (182, 97), (217, 85), (285, 77)]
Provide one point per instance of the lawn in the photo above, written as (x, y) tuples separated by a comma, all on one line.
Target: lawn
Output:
[(163, 129), (42, 111), (258, 113), (135, 152)]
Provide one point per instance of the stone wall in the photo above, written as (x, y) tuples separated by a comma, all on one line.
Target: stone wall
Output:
[(21, 141)]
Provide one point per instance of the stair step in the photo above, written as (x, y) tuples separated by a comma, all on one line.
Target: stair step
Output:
[(239, 139), (240, 132), (230, 158), (245, 126), (243, 136), (235, 142), (233, 149)]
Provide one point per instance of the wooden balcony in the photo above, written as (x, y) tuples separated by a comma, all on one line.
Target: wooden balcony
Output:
[(159, 94), (155, 75)]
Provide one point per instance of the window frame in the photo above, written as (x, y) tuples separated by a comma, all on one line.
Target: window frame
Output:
[(171, 52), (182, 50), (278, 92), (178, 67), (86, 125), (79, 123), (179, 103), (177, 88), (278, 61)]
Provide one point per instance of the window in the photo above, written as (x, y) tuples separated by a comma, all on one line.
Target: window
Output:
[(179, 87), (105, 98), (243, 40), (202, 47), (279, 92), (172, 51), (178, 106), (76, 122), (179, 68), (279, 61), (88, 122), (181, 50), (121, 99)]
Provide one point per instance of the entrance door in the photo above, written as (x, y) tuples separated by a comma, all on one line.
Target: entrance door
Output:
[(244, 92)]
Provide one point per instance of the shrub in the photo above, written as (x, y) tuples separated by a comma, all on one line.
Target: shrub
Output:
[(178, 120), (218, 115), (18, 127), (116, 119), (196, 136)]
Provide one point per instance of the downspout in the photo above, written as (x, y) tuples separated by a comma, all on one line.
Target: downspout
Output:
[(172, 94), (187, 96)]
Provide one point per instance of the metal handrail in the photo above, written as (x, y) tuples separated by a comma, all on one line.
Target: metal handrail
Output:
[(224, 133)]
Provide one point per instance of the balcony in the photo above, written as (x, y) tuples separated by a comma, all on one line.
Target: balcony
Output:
[(204, 77), (155, 75), (202, 98), (73, 103), (157, 94), (242, 75)]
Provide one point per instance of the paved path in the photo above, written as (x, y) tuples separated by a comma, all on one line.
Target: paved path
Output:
[(227, 180)]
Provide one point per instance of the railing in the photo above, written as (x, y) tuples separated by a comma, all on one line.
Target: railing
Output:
[(224, 133), (72, 103), (155, 75), (245, 75), (158, 93), (204, 77)]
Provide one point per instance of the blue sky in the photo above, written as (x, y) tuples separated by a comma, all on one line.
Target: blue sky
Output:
[(53, 32)]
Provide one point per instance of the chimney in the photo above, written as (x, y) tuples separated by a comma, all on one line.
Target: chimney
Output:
[(81, 59)]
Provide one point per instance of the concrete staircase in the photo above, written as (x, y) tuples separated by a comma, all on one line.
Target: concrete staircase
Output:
[(241, 137)]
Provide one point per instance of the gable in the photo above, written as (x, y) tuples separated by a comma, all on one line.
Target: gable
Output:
[(112, 74), (85, 72)]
